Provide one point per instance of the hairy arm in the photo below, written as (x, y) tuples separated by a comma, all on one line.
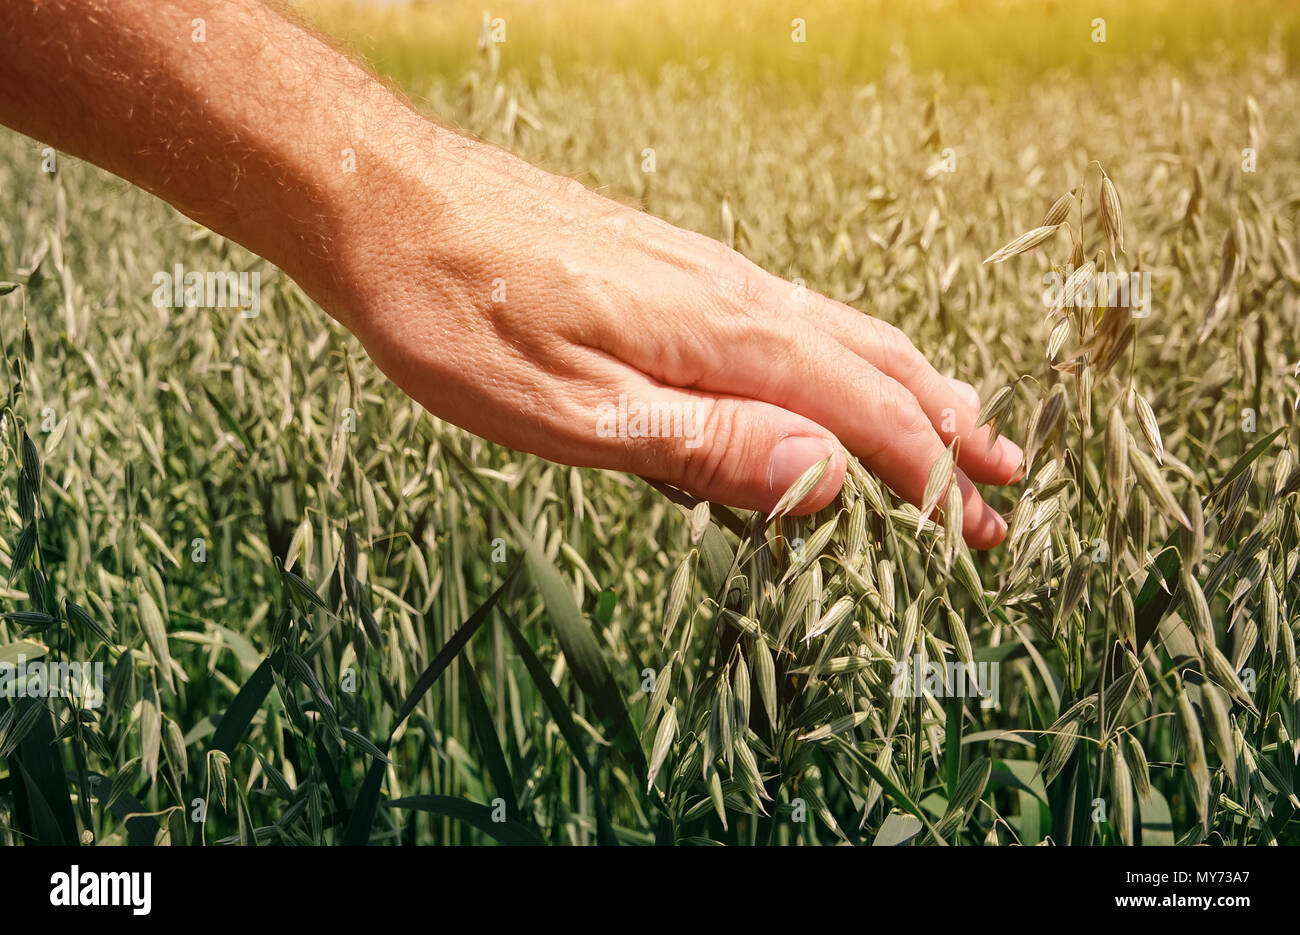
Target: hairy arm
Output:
[(509, 301), (233, 114)]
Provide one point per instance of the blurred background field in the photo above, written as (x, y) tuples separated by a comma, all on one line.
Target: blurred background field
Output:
[(994, 42), (881, 162)]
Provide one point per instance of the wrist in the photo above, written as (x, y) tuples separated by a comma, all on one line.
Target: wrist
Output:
[(357, 197), (422, 207)]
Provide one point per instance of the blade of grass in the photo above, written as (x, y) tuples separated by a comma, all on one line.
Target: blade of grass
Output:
[(40, 759), (363, 810), (486, 736), (555, 703), (479, 816), (245, 706), (586, 659)]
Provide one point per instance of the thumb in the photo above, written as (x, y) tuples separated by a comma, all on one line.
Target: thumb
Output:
[(739, 452)]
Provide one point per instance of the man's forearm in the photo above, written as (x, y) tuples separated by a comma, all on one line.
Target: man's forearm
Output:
[(242, 119)]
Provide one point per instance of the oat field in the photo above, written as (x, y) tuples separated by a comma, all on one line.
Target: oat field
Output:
[(325, 617)]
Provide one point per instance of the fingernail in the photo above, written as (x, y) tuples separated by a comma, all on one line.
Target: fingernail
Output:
[(793, 455)]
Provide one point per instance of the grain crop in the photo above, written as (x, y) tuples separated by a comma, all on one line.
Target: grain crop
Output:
[(324, 616)]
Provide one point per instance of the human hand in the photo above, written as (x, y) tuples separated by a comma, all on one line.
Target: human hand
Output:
[(539, 315), (514, 303)]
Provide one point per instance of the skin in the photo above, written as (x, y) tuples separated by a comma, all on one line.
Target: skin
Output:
[(509, 301)]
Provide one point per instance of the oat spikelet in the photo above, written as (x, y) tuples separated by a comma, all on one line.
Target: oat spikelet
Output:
[(1023, 244), (1150, 428), (1059, 210), (1112, 217)]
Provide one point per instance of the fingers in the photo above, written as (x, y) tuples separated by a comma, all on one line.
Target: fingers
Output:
[(731, 450), (739, 452), (877, 418), (874, 416), (982, 526), (952, 406), (850, 376)]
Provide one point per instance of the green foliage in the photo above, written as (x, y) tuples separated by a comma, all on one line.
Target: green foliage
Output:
[(309, 631)]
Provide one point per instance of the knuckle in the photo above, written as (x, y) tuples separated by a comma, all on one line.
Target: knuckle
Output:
[(892, 336), (903, 353), (913, 423), (723, 443), (900, 418)]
